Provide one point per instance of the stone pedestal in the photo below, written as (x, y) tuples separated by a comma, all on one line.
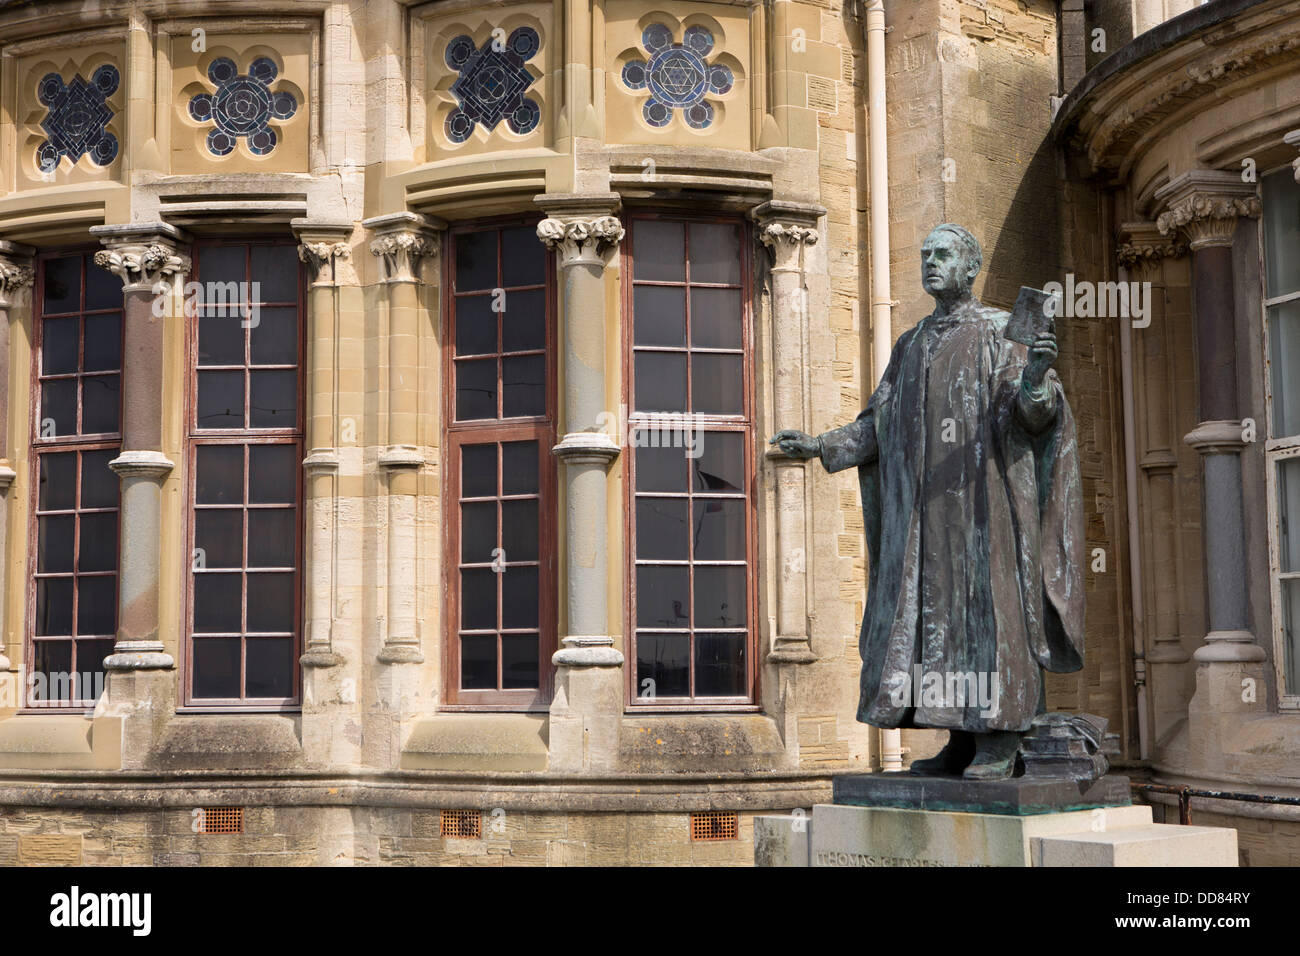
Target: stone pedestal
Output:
[(955, 822)]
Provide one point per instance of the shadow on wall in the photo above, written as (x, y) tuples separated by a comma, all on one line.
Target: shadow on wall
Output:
[(1028, 250)]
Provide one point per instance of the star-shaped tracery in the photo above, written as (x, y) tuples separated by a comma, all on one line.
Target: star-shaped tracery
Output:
[(76, 120), (678, 76), (491, 83)]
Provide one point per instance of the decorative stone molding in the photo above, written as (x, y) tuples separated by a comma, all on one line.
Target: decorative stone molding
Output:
[(1293, 139), (322, 244), (1216, 438), (320, 256), (1142, 247), (1204, 205), (581, 241), (1176, 68), (786, 229), (1229, 647), (775, 232), (321, 460), (143, 268), (142, 464), (582, 448), (141, 255), (588, 651), (400, 456), (403, 241), (15, 274)]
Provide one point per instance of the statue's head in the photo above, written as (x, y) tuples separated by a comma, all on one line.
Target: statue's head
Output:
[(950, 261)]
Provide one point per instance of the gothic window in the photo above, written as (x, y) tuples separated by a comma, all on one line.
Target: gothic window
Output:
[(491, 83), (677, 76), (242, 106), (74, 546), (245, 476), (690, 438), (76, 119), (500, 473)]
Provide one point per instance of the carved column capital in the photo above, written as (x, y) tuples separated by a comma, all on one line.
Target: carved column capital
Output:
[(16, 271), (142, 255), (1142, 247), (402, 241), (322, 246), (785, 229), (581, 240), (1204, 206)]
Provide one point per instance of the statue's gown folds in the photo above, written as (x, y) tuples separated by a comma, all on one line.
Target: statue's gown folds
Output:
[(974, 523)]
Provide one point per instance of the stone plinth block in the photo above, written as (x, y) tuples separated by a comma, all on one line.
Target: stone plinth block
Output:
[(781, 841), (1156, 844), (1018, 796), (886, 836), (891, 836)]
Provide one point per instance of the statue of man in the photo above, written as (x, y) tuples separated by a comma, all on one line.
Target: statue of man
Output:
[(974, 522)]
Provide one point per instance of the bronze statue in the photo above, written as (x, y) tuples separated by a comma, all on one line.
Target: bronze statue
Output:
[(974, 522)]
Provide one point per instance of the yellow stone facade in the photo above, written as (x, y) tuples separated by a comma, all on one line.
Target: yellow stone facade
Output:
[(371, 176)]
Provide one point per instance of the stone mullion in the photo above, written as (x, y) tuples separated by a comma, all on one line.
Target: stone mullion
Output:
[(785, 230), (324, 248), (588, 702), (1205, 207), (144, 257), (403, 241), (15, 277)]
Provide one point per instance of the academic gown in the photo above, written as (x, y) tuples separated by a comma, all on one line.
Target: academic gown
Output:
[(974, 524)]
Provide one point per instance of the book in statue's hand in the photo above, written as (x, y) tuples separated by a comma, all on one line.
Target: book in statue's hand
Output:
[(1032, 316)]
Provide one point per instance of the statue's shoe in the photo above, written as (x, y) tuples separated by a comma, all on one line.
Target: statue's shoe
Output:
[(991, 769), (995, 756), (953, 758)]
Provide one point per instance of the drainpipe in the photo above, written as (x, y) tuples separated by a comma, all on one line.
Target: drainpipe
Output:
[(891, 741)]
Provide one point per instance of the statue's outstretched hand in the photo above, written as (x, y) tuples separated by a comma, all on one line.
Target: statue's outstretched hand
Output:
[(1041, 356), (796, 444)]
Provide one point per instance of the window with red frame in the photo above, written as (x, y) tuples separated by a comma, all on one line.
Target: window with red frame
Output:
[(690, 523), (501, 473), (245, 476), (72, 609)]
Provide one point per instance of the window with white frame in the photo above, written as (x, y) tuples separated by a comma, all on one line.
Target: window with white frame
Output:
[(1281, 237)]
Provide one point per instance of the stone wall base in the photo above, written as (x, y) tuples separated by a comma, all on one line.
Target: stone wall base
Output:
[(360, 836)]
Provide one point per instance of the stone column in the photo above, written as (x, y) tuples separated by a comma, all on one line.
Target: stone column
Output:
[(1205, 206), (323, 248), (785, 229), (403, 240), (588, 704), (144, 256), (15, 276)]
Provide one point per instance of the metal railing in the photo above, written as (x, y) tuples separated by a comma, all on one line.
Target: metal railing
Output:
[(1185, 795)]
